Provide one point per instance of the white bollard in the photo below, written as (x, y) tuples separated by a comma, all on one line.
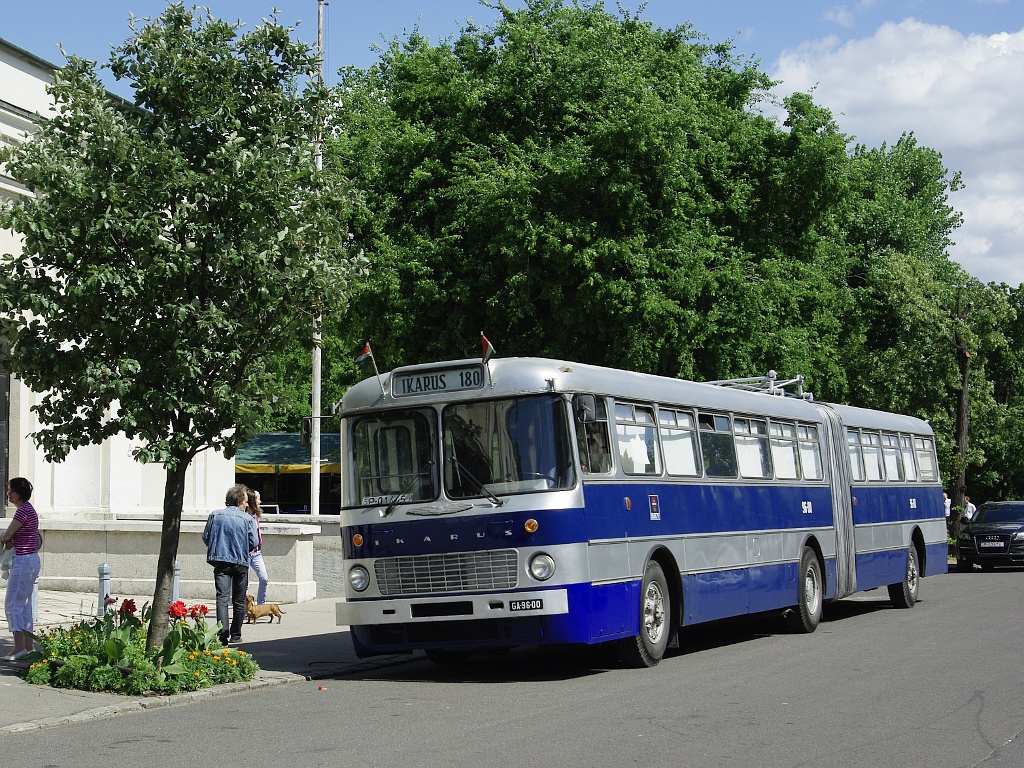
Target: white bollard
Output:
[(104, 590), (176, 587)]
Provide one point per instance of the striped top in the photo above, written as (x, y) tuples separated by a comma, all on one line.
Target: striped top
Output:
[(26, 538)]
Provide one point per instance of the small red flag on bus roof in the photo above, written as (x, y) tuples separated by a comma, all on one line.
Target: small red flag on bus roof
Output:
[(365, 353), (488, 349)]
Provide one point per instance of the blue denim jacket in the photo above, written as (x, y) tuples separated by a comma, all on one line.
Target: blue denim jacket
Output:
[(230, 535)]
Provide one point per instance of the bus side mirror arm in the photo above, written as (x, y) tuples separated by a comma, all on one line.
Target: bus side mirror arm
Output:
[(585, 408)]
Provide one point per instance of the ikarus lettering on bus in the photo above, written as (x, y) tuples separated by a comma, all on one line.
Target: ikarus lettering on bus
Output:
[(452, 380)]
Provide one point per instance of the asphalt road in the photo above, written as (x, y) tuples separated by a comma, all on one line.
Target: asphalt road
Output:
[(939, 685)]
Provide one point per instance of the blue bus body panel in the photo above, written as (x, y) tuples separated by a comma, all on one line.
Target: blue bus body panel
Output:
[(692, 508), (682, 512)]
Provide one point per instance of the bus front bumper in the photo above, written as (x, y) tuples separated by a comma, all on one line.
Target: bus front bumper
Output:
[(504, 605)]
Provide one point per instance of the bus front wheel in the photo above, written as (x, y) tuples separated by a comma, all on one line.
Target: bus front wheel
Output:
[(805, 616), (647, 648)]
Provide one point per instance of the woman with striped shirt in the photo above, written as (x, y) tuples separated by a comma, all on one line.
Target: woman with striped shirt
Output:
[(23, 535)]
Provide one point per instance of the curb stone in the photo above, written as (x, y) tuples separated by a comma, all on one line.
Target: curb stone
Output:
[(225, 689)]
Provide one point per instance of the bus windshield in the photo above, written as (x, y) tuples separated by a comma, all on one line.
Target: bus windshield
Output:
[(516, 445), (394, 457)]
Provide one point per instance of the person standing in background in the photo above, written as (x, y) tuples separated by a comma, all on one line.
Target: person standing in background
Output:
[(23, 535), (256, 556), (969, 508), (230, 535)]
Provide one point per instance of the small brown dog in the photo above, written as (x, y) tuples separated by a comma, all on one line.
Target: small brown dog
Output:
[(253, 611)]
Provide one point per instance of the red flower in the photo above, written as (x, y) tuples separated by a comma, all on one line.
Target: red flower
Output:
[(198, 611), (177, 610), (109, 600), (127, 607)]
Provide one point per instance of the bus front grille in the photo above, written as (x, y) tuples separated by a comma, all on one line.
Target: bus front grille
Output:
[(454, 572)]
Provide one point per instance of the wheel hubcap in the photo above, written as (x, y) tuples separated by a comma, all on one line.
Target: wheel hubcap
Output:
[(812, 594), (654, 612), (912, 575)]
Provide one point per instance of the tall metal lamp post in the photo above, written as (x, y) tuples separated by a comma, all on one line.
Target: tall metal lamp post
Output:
[(314, 432)]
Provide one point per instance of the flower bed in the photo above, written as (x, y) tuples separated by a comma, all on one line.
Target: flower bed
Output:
[(109, 654)]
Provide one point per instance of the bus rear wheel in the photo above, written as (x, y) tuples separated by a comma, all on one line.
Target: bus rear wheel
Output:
[(647, 648), (904, 594), (805, 616)]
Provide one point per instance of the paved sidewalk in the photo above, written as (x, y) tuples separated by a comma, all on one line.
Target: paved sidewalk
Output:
[(306, 645)]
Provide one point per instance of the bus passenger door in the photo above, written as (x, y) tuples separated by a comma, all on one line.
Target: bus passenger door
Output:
[(604, 516), (842, 504)]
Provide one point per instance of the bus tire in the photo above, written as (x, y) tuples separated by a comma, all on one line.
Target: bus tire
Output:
[(904, 594), (810, 593), (647, 648)]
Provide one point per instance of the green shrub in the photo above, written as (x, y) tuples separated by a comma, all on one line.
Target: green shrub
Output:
[(109, 654)]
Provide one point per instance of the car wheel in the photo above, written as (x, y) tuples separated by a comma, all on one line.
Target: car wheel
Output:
[(964, 565), (647, 648), (904, 594), (810, 593)]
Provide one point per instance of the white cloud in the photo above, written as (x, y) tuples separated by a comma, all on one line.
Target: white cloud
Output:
[(959, 94), (840, 15)]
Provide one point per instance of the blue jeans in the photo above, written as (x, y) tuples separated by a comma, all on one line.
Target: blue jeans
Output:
[(256, 561), (231, 581)]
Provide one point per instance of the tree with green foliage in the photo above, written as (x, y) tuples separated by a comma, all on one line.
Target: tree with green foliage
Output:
[(581, 184), (575, 183), (171, 245), (1000, 427)]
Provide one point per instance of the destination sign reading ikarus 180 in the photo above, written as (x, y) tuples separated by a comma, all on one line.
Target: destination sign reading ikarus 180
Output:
[(448, 380)]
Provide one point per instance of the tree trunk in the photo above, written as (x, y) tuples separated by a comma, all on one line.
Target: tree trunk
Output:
[(174, 495), (961, 428), (963, 423)]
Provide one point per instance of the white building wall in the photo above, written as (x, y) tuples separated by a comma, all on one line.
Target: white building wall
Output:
[(98, 480)]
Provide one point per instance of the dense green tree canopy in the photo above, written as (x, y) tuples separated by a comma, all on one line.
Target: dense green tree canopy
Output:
[(578, 183), (170, 245)]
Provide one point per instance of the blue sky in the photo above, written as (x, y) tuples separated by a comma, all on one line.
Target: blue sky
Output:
[(951, 71)]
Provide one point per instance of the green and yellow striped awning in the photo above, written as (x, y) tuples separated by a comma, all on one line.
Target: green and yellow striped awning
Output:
[(279, 453)]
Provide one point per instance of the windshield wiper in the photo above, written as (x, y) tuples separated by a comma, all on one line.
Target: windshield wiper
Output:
[(480, 486), (407, 486)]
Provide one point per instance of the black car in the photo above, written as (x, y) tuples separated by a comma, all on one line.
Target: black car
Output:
[(994, 536)]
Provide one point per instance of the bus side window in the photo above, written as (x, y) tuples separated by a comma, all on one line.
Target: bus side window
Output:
[(752, 447), (925, 450), (906, 448), (810, 453), (594, 443), (892, 457), (637, 438), (679, 439), (784, 451), (874, 464), (716, 445), (853, 450)]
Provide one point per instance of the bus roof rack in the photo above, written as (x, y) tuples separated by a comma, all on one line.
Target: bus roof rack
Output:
[(769, 385)]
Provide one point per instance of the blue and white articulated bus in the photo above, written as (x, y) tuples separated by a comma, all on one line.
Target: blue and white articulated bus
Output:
[(525, 501)]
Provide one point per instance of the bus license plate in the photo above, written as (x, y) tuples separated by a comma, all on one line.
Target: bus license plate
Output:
[(526, 605)]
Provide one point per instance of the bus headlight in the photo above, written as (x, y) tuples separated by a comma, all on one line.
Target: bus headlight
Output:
[(542, 567), (359, 578)]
